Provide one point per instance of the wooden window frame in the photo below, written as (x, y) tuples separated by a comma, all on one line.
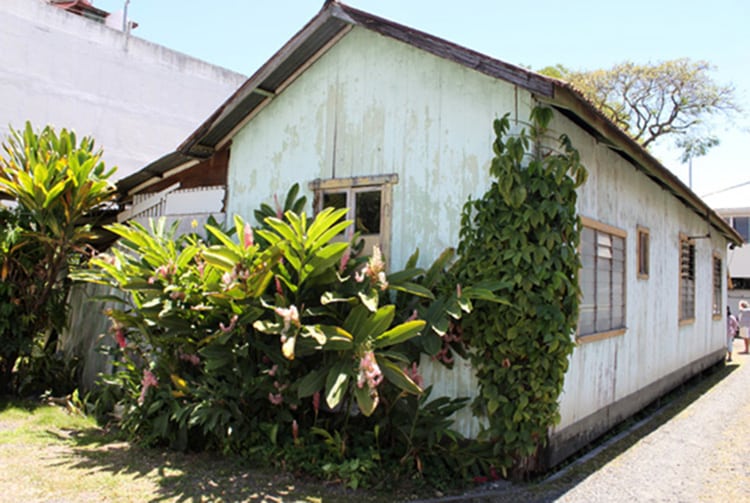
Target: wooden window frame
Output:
[(717, 268), (643, 252), (613, 331), (352, 185), (686, 285)]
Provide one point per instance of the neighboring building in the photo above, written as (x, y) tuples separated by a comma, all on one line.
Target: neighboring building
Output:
[(72, 65), (63, 65), (734, 205), (396, 124)]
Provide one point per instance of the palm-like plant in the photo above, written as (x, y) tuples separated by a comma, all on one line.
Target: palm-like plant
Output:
[(56, 183)]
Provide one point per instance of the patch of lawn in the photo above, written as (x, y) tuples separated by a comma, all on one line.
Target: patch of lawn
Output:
[(48, 453)]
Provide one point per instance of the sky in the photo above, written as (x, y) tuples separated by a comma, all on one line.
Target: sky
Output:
[(241, 35)]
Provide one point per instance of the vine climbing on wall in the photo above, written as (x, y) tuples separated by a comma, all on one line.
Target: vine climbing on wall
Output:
[(523, 232)]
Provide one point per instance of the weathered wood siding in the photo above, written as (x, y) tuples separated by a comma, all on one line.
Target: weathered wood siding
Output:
[(374, 106), (655, 344)]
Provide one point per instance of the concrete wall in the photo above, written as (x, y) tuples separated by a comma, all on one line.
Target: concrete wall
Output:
[(137, 99), (373, 106)]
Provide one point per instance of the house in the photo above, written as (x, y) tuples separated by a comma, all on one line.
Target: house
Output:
[(70, 64), (396, 125)]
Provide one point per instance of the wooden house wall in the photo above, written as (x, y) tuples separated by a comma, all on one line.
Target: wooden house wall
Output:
[(374, 106)]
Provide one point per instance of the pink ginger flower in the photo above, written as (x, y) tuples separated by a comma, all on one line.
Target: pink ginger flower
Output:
[(149, 380), (279, 290), (375, 270), (316, 402), (232, 323), (290, 315), (345, 260), (227, 279), (279, 211), (295, 431), (193, 359), (120, 337), (165, 271), (414, 374), (275, 398), (414, 316), (272, 371), (177, 295), (247, 236), (369, 372)]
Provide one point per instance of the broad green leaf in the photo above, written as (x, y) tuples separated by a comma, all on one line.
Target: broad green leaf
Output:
[(333, 297), (397, 377), (399, 334), (336, 384), (223, 259), (412, 288), (367, 399), (312, 382), (406, 274), (337, 339), (369, 299)]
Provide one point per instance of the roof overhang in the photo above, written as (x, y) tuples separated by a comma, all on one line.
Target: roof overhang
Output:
[(333, 22)]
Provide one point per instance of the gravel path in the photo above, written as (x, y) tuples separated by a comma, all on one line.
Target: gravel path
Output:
[(700, 454), (695, 448)]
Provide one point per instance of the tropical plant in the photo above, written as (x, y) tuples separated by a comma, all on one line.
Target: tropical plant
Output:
[(523, 233), (57, 185)]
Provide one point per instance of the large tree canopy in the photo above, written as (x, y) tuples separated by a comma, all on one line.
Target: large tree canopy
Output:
[(671, 99)]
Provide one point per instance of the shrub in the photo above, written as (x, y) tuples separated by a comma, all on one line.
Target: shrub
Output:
[(57, 184), (276, 342)]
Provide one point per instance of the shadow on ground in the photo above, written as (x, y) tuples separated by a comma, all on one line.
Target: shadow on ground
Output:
[(190, 476), (211, 477), (555, 484)]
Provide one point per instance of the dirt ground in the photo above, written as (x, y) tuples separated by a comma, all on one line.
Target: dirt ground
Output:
[(691, 448)]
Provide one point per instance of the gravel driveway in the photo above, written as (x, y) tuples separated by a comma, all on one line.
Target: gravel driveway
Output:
[(695, 448)]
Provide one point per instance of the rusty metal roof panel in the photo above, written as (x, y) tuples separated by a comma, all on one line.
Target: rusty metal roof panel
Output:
[(156, 169)]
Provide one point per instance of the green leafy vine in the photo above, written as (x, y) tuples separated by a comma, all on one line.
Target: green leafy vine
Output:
[(523, 233)]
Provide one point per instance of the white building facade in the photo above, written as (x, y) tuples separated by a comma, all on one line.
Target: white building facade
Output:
[(137, 99)]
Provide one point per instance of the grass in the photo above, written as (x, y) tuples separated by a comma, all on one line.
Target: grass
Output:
[(50, 454)]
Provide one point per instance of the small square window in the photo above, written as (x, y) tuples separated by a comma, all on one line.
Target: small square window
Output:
[(368, 201)]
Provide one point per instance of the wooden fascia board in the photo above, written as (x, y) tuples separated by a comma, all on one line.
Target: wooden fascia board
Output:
[(256, 81)]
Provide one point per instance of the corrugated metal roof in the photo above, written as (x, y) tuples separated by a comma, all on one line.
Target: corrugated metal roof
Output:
[(332, 21)]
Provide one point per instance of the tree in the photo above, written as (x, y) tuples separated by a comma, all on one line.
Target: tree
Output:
[(56, 183), (668, 99)]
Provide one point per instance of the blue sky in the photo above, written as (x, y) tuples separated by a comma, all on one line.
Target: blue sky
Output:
[(586, 34)]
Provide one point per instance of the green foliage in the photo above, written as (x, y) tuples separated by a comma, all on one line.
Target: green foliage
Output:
[(57, 184), (523, 234), (274, 342)]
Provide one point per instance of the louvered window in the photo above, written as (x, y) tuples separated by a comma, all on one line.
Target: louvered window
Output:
[(687, 279), (717, 296), (602, 279)]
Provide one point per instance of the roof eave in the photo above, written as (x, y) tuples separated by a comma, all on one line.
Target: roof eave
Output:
[(569, 100)]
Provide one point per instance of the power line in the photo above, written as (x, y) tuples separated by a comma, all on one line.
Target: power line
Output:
[(727, 189)]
